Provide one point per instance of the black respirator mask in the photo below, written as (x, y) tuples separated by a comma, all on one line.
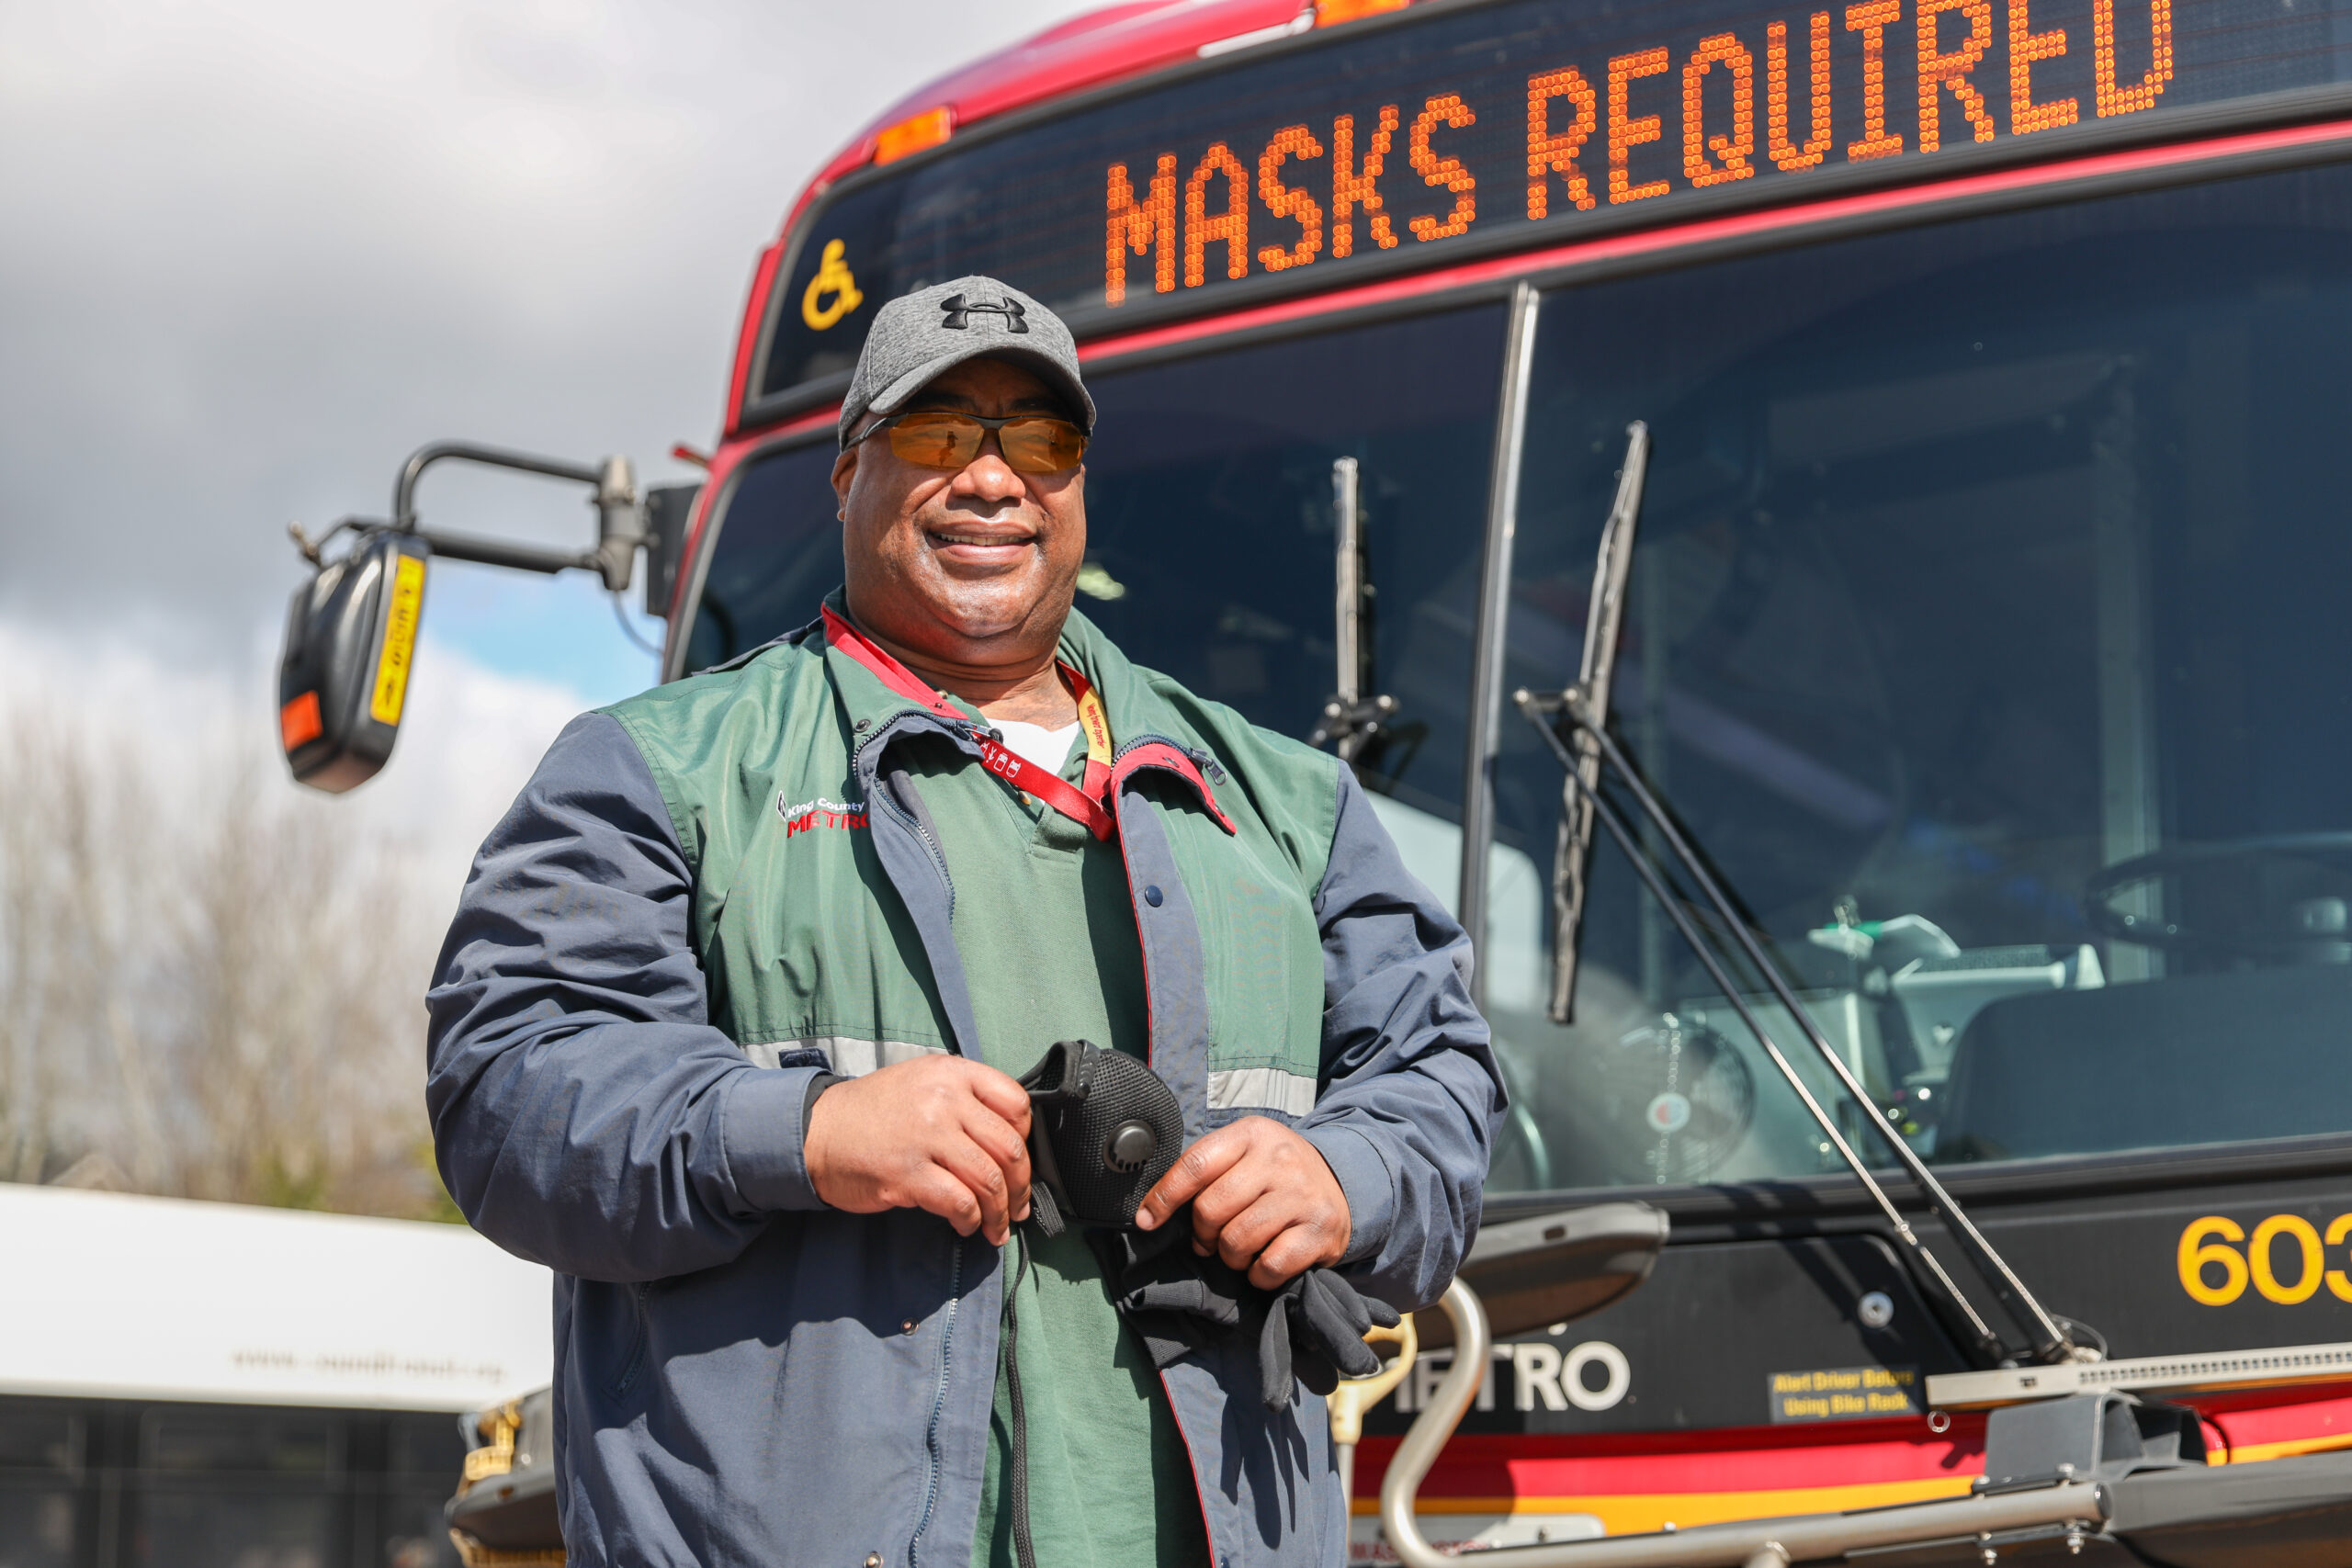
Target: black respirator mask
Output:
[(1103, 1128)]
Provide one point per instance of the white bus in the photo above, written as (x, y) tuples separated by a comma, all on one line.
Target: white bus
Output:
[(205, 1385)]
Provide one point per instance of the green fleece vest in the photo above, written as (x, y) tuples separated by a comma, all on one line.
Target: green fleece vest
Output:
[(814, 950)]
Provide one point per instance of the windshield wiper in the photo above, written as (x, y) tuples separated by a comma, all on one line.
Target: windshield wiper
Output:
[(1582, 712), (1596, 673), (1349, 718)]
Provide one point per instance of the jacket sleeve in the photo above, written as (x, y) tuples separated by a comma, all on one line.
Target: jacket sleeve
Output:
[(1412, 1099), (586, 1114)]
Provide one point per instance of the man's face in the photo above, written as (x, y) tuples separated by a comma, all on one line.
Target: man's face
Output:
[(973, 566)]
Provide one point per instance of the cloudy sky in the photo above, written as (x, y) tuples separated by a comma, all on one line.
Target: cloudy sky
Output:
[(258, 250)]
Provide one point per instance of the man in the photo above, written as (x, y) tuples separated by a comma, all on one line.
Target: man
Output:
[(724, 1030)]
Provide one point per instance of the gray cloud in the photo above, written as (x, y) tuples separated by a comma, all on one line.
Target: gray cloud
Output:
[(259, 250)]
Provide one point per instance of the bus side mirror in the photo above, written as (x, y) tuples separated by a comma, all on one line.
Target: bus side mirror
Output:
[(350, 639), (350, 630)]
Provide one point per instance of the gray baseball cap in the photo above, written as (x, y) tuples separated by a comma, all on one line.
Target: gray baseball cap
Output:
[(918, 336)]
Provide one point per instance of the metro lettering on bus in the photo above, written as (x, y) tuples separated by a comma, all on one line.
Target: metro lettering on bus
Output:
[(1980, 638)]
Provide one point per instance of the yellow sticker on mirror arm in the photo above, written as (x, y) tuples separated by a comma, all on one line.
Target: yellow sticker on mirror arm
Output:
[(399, 640)]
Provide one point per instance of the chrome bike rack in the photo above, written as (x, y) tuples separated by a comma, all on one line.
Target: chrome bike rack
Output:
[(1751, 1543)]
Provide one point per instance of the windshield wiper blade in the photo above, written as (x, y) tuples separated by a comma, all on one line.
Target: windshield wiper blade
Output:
[(1349, 718), (1582, 754), (1596, 675)]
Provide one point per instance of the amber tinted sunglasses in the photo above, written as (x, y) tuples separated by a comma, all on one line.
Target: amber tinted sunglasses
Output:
[(941, 438)]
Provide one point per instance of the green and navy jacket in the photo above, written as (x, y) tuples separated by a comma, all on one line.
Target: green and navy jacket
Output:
[(712, 892)]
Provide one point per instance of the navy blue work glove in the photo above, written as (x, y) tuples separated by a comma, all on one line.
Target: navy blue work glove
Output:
[(1310, 1331), (1314, 1329)]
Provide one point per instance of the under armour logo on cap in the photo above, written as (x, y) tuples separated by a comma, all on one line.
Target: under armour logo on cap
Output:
[(958, 312), (920, 335)]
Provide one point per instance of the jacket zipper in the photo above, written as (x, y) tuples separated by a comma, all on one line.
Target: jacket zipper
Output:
[(956, 1267), (874, 792), (939, 1402), (1133, 741), (955, 1262), (1201, 756)]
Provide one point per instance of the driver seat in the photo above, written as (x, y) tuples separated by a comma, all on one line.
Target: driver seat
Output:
[(2195, 1059)]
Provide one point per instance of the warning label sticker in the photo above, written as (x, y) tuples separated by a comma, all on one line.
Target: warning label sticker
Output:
[(1845, 1393), (399, 640)]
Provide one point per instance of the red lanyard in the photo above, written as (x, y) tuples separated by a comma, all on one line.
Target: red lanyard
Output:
[(1084, 806)]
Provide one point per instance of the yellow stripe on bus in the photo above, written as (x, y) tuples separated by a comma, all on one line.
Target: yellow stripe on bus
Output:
[(399, 640), (1640, 1513), (2254, 1453)]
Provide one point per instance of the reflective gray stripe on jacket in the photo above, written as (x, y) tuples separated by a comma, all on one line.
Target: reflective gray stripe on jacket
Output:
[(746, 1376)]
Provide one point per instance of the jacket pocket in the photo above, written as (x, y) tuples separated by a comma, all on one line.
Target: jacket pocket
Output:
[(630, 1364)]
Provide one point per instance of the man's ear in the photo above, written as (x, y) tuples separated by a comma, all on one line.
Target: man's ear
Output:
[(845, 473)]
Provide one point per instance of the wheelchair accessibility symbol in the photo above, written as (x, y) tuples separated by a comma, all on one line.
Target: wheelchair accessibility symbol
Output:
[(834, 278)]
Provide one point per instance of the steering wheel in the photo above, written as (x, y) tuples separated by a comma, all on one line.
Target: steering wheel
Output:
[(2099, 893)]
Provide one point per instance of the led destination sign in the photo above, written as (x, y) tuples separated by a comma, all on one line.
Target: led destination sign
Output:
[(1400, 140)]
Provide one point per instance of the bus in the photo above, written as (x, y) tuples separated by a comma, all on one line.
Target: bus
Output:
[(1968, 367), (201, 1386)]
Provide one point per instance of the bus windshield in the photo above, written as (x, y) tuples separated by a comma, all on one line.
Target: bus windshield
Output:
[(1983, 628)]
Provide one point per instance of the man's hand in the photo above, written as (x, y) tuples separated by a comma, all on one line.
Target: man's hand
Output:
[(939, 1132), (1262, 1200)]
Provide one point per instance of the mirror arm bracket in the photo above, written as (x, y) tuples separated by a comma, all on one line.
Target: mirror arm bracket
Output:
[(500, 552), (1354, 723), (1351, 720), (619, 511)]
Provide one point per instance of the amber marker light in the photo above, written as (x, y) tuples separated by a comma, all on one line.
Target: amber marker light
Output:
[(1331, 13), (914, 133)]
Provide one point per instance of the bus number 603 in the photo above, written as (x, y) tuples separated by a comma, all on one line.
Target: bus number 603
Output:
[(2209, 1245)]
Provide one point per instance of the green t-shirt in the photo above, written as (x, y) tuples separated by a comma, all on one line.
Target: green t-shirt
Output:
[(1049, 947)]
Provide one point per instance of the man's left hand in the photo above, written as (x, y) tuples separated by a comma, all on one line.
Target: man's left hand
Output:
[(1262, 1200)]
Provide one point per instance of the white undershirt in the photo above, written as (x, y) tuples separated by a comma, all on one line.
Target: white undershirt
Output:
[(1048, 749)]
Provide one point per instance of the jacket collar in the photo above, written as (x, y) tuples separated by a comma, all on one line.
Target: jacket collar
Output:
[(871, 705), (1146, 733), (865, 696)]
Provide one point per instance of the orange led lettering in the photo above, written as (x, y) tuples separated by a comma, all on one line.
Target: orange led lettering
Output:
[(1232, 225), (1625, 133), (1353, 186), (1140, 226), (1435, 169), (1786, 153), (1939, 71), (2026, 46), (1872, 20), (1286, 201), (1730, 152), (2113, 99), (1553, 153)]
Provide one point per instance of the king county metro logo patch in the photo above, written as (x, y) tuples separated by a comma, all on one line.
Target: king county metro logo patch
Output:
[(811, 814)]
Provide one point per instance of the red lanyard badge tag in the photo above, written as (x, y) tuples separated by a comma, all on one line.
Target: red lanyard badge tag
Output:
[(1081, 805)]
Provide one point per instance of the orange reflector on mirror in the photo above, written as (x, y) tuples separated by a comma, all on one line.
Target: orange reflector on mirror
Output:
[(913, 134), (298, 722)]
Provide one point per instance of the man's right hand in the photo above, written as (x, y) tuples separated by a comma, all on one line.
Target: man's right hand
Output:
[(939, 1132)]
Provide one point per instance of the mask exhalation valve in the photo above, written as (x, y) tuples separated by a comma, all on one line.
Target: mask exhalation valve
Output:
[(1131, 1148)]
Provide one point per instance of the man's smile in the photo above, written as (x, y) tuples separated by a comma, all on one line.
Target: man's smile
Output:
[(981, 544)]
